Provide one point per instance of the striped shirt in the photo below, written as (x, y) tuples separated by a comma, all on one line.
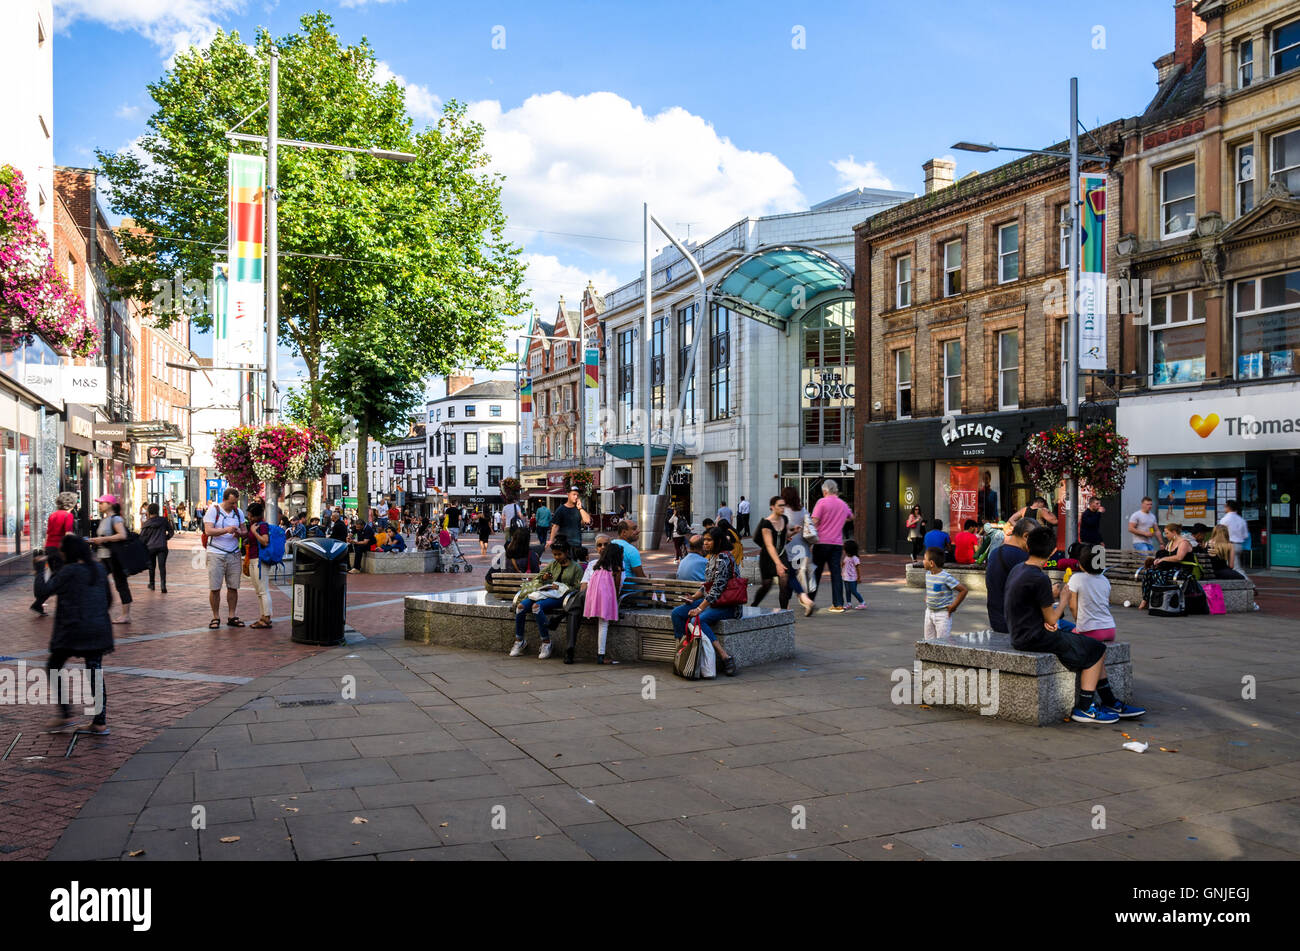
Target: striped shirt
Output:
[(939, 588)]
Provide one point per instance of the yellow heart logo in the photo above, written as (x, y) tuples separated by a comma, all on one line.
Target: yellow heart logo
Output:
[(1204, 426)]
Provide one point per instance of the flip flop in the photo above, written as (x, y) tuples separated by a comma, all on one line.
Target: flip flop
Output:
[(259, 625), (235, 622)]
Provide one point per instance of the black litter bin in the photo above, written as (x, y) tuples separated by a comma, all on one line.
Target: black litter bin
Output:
[(320, 591)]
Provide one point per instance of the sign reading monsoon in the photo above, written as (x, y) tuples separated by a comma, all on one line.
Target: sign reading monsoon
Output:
[(245, 310), (591, 397), (1092, 272)]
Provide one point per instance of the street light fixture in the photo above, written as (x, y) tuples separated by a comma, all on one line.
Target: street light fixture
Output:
[(1072, 304)]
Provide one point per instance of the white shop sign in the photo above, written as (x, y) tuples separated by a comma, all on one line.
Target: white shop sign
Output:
[(1264, 420), (60, 383)]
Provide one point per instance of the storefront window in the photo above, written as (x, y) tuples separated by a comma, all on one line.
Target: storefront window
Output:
[(657, 362), (827, 378), (626, 379), (1268, 326), (1177, 339), (720, 364), (685, 336)]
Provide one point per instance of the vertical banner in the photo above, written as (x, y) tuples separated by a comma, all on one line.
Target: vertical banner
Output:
[(963, 495), (1092, 272), (591, 397), (220, 304), (246, 310), (526, 417)]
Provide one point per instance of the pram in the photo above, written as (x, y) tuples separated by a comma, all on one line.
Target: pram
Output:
[(449, 554)]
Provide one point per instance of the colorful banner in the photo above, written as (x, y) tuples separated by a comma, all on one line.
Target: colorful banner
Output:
[(526, 417), (963, 496), (1092, 272), (245, 321), (591, 398)]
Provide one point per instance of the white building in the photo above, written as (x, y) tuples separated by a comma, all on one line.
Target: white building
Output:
[(343, 484), (770, 402), (214, 408), (27, 74), (472, 440)]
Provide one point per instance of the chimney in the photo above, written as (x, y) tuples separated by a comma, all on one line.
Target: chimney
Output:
[(939, 173), (457, 383), (1188, 28)]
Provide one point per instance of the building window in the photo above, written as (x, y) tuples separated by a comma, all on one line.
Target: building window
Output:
[(1177, 340), (1009, 369), (952, 268), (471, 443), (903, 281), (494, 410), (828, 374), (1286, 48), (494, 476), (685, 337), (471, 477), (1008, 253), (1268, 326), (720, 364), (952, 377), (657, 328), (1245, 63), (451, 444), (1245, 179), (470, 410), (1178, 200), (903, 383), (451, 412), (1286, 161), (1063, 228), (496, 444), (451, 475), (626, 378)]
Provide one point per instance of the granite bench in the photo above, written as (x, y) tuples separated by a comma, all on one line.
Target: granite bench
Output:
[(478, 620), (1028, 687), (402, 562)]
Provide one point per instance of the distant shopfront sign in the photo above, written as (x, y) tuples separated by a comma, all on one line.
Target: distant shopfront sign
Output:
[(1260, 419)]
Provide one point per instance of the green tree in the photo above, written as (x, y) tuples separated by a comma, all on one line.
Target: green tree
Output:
[(415, 249)]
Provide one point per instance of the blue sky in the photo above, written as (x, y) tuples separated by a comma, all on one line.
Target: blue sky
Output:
[(712, 111)]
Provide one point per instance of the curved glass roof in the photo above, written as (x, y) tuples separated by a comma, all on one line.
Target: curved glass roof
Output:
[(763, 284)]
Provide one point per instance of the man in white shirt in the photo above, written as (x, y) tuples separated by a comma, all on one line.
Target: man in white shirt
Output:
[(1142, 526), (1238, 531), (224, 524), (742, 517)]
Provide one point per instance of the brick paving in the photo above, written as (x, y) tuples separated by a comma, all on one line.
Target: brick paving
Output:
[(581, 766)]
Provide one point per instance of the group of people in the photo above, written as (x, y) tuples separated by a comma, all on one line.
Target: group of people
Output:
[(1180, 545)]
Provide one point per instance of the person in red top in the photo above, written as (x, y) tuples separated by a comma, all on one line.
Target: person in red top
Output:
[(965, 542), (60, 523)]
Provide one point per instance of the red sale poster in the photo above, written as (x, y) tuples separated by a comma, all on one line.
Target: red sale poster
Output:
[(963, 495)]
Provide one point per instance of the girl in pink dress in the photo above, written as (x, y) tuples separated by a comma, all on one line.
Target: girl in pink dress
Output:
[(601, 601)]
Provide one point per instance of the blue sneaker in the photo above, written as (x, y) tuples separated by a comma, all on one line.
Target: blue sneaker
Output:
[(1122, 709), (1093, 714)]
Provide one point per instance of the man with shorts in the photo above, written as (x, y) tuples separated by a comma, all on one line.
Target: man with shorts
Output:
[(1032, 619), (224, 524)]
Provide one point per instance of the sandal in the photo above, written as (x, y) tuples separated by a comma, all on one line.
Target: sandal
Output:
[(214, 624), (260, 624), (235, 622)]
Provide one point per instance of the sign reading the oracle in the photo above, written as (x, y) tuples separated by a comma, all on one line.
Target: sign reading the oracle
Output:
[(826, 385)]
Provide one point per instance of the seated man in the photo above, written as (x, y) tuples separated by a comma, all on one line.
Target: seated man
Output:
[(936, 537), (563, 570), (314, 529), (693, 563), (991, 536), (395, 543), (965, 541)]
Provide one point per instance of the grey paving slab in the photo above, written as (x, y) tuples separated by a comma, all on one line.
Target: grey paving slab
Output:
[(1189, 841), (336, 834), (1276, 824), (281, 732), (443, 765), (305, 803), (1057, 825), (282, 754), (826, 853), (406, 721), (543, 848), (674, 840), (610, 841), (579, 751), (849, 772), (593, 774), (429, 740), (147, 766), (166, 845), (494, 748), (759, 830), (254, 781), (125, 798), (433, 791), (493, 819), (473, 852), (751, 785), (564, 805), (173, 740), (650, 799), (888, 848), (185, 815), (1069, 852), (263, 839), (101, 837), (346, 774)]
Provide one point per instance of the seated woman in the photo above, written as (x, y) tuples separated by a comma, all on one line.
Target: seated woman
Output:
[(563, 570), (1221, 554), (1163, 568), (520, 556), (721, 569)]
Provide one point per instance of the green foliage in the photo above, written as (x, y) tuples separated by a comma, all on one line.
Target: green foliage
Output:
[(298, 409)]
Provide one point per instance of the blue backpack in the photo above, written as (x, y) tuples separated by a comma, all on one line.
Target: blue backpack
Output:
[(273, 552)]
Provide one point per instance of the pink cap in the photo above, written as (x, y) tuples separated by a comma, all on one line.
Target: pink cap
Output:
[(110, 499)]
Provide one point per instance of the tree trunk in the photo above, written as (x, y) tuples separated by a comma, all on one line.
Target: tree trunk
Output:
[(363, 467)]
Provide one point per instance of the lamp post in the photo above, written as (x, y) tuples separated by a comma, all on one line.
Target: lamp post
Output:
[(1072, 304)]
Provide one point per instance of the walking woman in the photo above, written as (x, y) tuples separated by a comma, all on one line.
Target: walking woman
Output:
[(112, 531), (681, 531), (484, 532), (155, 534), (916, 532), (771, 553), (81, 626), (59, 524)]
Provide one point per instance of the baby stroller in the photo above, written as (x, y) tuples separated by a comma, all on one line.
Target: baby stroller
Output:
[(449, 554)]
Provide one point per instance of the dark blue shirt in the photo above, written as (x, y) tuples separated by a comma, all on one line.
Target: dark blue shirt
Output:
[(1004, 558)]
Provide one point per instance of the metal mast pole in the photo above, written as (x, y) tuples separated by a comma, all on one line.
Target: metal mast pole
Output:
[(1072, 315), (519, 419), (270, 403), (645, 357)]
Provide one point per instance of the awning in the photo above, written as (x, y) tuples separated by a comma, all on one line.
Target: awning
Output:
[(618, 488), (633, 451), (762, 285)]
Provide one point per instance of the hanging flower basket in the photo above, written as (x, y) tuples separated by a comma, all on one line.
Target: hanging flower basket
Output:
[(34, 295), (1097, 456), (510, 488), (580, 478), (248, 456)]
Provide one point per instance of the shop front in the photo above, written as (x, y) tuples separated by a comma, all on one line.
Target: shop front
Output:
[(1195, 452), (962, 467)]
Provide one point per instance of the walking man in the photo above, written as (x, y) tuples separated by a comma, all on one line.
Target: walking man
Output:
[(742, 517), (224, 524), (828, 517)]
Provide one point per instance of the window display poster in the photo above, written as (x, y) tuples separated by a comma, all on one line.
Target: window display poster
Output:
[(963, 495), (1194, 504), (1250, 366), (1225, 490), (1183, 500)]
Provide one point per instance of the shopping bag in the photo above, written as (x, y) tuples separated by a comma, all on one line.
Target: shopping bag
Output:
[(708, 659), (689, 652), (1214, 598)]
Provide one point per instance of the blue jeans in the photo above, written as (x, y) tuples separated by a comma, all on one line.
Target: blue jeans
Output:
[(708, 617), (851, 592), (1145, 547), (543, 628)]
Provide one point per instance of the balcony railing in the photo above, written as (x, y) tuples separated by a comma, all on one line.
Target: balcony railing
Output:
[(591, 461)]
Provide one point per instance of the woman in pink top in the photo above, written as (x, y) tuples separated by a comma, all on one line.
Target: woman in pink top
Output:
[(828, 517), (60, 523)]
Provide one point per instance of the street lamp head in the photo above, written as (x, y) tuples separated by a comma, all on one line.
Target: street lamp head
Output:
[(404, 157), (975, 147)]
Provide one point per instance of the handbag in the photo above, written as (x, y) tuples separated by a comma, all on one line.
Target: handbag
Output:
[(736, 592), (1214, 599), (689, 655), (131, 554), (809, 532)]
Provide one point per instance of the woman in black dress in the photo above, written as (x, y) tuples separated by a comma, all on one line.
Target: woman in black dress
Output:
[(771, 537), (484, 532)]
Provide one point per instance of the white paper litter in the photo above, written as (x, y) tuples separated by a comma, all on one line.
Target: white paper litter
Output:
[(1136, 746)]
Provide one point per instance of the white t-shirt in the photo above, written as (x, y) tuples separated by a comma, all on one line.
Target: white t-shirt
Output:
[(1146, 523), (1094, 601), (743, 507), (586, 572), (218, 517), (1238, 531)]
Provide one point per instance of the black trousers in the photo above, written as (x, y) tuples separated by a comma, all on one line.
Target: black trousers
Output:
[(742, 524), (784, 590), (829, 556), (918, 546), (94, 664), (54, 558), (118, 573), (357, 552), (158, 559)]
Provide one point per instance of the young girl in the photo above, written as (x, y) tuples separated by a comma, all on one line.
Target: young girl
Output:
[(602, 596), (849, 575)]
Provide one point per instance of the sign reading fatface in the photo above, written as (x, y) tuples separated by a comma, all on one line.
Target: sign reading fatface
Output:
[(972, 438)]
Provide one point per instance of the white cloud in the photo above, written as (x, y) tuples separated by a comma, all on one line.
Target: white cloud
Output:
[(855, 174), (420, 102), (584, 164), (548, 278), (127, 112), (171, 25)]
